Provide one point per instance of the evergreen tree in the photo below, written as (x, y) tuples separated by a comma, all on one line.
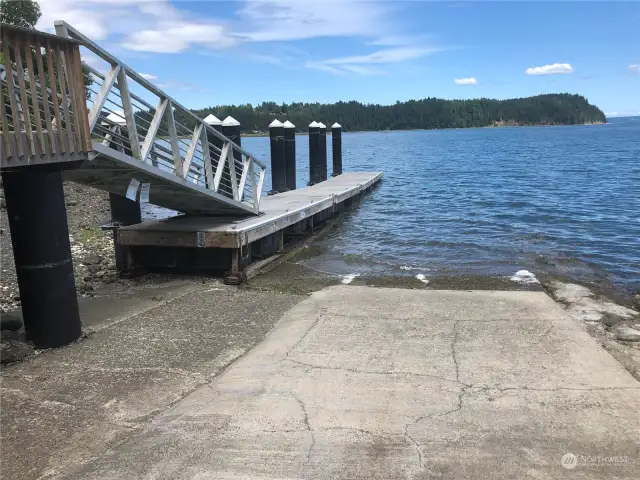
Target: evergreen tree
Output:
[(21, 13)]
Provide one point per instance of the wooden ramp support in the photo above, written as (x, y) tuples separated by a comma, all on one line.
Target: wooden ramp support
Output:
[(229, 244)]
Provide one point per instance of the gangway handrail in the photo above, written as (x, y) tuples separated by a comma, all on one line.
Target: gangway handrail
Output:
[(207, 149)]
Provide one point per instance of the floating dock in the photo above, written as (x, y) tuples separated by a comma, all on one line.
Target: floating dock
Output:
[(102, 134), (231, 243)]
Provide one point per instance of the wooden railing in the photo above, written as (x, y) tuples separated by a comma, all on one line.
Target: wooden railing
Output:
[(43, 112)]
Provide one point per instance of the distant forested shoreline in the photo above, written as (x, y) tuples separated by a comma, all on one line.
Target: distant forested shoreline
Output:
[(429, 113)]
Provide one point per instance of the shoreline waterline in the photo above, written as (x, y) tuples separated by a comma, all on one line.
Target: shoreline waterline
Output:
[(266, 133)]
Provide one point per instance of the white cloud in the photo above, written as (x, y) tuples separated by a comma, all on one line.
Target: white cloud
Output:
[(148, 76), (353, 64), (93, 60), (140, 25), (390, 55), (363, 70), (282, 20), (179, 85), (465, 81), (82, 16), (399, 40), (163, 26), (176, 37), (262, 58), (635, 68), (553, 69), (325, 68)]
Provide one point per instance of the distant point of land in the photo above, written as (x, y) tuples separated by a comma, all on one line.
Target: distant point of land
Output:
[(428, 113)]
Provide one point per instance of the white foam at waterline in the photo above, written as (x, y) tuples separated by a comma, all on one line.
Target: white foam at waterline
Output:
[(422, 278), (407, 267), (347, 279), (525, 277)]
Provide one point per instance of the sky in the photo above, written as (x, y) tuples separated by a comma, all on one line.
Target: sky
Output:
[(206, 53)]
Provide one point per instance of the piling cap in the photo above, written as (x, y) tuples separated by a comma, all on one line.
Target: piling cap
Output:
[(322, 125), (276, 123), (211, 119), (336, 125), (230, 122), (314, 124), (117, 118), (288, 124)]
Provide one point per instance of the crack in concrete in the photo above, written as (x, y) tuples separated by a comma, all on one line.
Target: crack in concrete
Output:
[(319, 313), (493, 320), (454, 355), (454, 339), (308, 428), (557, 389), (355, 370), (412, 440)]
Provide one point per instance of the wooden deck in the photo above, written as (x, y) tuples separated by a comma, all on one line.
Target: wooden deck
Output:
[(279, 212)]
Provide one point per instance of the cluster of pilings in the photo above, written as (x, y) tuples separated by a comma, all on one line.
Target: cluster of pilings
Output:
[(282, 137)]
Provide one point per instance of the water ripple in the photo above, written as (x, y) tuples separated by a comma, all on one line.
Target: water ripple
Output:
[(492, 201)]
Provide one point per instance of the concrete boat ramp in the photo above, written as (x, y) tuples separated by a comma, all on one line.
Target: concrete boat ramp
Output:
[(352, 382)]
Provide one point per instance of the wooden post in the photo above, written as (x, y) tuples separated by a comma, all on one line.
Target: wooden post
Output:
[(278, 165), (290, 154)]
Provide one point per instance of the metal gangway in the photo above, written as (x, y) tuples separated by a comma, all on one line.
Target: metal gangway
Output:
[(114, 128)]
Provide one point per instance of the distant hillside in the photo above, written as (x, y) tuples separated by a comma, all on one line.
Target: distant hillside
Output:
[(429, 113)]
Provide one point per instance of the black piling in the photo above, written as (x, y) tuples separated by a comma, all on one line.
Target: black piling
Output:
[(42, 253), (124, 212), (290, 154), (231, 130), (336, 143), (322, 139), (278, 163), (216, 124), (315, 154)]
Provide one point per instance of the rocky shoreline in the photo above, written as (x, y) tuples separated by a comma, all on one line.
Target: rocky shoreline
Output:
[(614, 326)]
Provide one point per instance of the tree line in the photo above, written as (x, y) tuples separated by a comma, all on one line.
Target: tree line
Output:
[(428, 113)]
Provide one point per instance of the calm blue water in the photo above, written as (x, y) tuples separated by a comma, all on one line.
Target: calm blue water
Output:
[(559, 200)]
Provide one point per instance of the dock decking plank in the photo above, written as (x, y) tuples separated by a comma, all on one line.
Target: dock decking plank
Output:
[(279, 211)]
